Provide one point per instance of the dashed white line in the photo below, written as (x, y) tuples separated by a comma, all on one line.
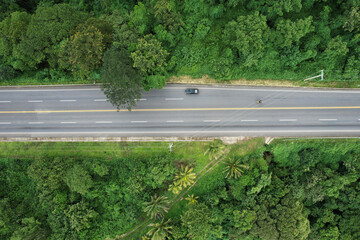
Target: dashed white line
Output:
[(141, 99), (36, 122), (32, 101), (175, 121), (287, 120), (100, 100), (249, 120), (138, 121), (173, 99), (68, 122), (104, 122), (68, 100), (328, 119), (5, 122), (212, 120), (5, 101)]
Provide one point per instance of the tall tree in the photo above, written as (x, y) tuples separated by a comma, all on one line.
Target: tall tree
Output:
[(197, 220), (122, 84), (150, 58), (157, 207), (83, 52), (12, 30), (48, 27), (249, 35), (160, 231), (234, 168), (214, 148)]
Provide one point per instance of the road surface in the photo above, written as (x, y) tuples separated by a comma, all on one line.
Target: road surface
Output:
[(214, 112)]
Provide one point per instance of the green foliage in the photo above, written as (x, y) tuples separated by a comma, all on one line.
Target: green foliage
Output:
[(233, 168), (160, 231), (123, 35), (184, 178), (12, 30), (6, 72), (80, 216), (48, 172), (122, 84), (150, 59), (78, 179), (196, 220), (248, 35), (31, 229), (83, 52), (157, 207), (48, 27)]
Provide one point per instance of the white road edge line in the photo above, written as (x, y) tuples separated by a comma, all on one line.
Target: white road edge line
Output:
[(328, 119), (104, 122), (138, 121), (67, 122), (68, 100), (250, 120), (245, 131), (5, 122), (174, 99), (35, 101), (211, 120), (287, 120), (4, 101), (175, 121), (35, 122)]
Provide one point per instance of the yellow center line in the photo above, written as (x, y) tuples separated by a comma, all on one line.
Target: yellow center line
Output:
[(181, 109)]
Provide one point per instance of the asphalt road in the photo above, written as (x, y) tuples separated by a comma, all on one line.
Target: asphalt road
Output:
[(215, 111)]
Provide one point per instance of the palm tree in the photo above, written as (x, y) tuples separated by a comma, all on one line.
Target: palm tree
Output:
[(157, 207), (192, 199), (159, 231), (234, 169), (175, 188), (214, 148), (185, 177)]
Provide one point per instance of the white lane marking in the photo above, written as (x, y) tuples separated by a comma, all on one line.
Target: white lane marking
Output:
[(249, 120), (35, 101), (100, 100), (139, 121), (141, 99), (221, 131), (104, 122), (68, 122), (68, 100), (5, 101), (212, 120), (287, 120), (175, 121), (327, 119), (5, 122), (36, 122), (174, 99)]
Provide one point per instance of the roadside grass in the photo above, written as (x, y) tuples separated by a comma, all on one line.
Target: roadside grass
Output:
[(31, 78), (206, 79)]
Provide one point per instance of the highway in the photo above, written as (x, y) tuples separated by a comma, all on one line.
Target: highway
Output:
[(216, 111)]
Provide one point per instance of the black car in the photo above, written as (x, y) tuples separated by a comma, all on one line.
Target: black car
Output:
[(191, 91)]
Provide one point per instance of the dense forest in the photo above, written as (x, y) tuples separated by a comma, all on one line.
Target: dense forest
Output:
[(145, 42), (288, 190)]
